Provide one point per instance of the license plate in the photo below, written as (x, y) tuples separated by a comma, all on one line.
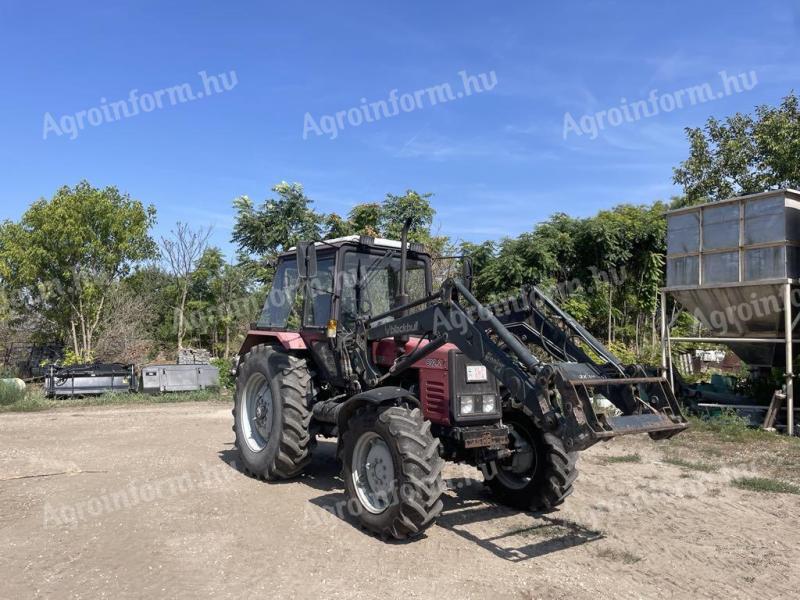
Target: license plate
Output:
[(486, 439), (476, 373)]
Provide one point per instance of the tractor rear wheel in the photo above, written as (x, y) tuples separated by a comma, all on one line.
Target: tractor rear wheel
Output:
[(392, 471), (538, 476), (271, 413)]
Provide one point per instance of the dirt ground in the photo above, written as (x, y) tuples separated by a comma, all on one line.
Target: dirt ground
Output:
[(135, 502)]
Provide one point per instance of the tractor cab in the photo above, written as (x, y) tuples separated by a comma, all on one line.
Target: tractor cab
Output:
[(341, 280), (321, 292)]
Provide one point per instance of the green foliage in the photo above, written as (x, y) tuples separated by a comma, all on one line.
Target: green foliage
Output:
[(623, 352), (72, 358), (221, 301), (278, 224), (225, 366), (365, 219), (482, 256), (605, 270), (334, 226), (64, 253), (34, 400), (283, 221), (729, 427), (743, 154), (764, 484), (692, 466), (396, 209), (624, 458)]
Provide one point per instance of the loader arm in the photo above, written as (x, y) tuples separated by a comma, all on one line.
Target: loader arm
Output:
[(535, 318), (557, 396)]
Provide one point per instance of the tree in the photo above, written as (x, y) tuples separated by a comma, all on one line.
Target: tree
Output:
[(220, 299), (156, 287), (182, 251), (743, 154), (334, 226), (64, 255), (278, 224), (231, 288), (605, 269), (123, 335), (482, 256), (365, 219), (396, 209)]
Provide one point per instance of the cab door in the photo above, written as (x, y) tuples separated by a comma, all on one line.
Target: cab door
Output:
[(317, 311)]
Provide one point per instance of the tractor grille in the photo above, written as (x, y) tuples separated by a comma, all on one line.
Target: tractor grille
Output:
[(436, 400)]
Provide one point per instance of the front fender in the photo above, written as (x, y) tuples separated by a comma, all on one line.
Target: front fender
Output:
[(376, 397)]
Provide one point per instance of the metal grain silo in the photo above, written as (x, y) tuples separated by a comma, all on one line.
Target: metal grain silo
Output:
[(735, 265)]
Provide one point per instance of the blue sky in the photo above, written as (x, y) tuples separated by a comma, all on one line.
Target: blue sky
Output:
[(497, 162)]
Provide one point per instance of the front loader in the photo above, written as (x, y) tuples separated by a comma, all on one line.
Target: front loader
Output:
[(354, 343)]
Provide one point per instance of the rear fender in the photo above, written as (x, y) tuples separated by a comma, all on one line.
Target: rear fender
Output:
[(288, 340)]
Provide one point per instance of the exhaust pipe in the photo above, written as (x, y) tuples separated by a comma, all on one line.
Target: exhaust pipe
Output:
[(402, 296), (401, 299)]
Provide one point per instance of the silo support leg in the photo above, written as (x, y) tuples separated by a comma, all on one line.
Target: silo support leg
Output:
[(788, 322)]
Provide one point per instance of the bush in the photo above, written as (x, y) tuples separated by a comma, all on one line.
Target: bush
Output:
[(225, 367), (728, 426), (72, 359)]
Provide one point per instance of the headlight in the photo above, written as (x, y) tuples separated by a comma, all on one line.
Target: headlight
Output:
[(467, 405), (488, 405)]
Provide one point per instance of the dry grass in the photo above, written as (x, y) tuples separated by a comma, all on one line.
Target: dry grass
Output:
[(725, 442), (687, 464), (623, 556)]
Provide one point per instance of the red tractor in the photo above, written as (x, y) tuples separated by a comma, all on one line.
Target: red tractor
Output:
[(354, 343)]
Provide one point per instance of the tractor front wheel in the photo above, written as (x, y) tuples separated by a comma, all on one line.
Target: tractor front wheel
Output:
[(392, 471), (539, 474)]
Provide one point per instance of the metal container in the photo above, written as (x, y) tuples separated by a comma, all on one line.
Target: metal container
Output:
[(89, 380), (729, 264), (747, 239), (178, 378)]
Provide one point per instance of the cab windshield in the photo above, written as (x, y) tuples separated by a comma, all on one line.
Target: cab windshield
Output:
[(370, 281)]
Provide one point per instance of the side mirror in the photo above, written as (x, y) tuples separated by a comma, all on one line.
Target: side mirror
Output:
[(306, 260), (466, 272)]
